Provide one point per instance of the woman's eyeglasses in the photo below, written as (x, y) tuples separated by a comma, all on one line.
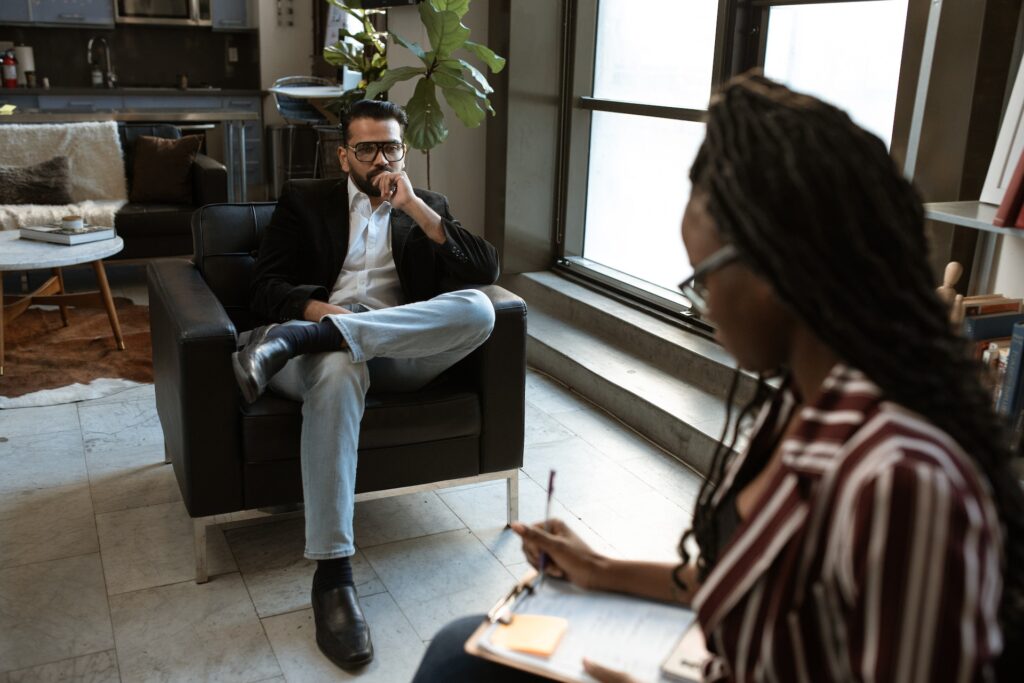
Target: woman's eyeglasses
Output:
[(693, 287), (368, 151)]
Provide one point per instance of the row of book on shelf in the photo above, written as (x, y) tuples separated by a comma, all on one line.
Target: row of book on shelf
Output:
[(995, 325)]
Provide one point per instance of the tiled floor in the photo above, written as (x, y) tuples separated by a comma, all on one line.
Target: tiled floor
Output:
[(96, 548)]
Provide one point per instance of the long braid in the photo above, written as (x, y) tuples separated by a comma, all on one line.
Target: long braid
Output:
[(817, 206)]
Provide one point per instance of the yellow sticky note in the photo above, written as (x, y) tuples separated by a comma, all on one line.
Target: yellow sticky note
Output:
[(535, 634), (7, 109)]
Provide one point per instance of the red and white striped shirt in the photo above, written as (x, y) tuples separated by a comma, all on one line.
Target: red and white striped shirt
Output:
[(874, 554)]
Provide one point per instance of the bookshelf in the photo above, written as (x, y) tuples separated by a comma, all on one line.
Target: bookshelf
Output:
[(977, 215)]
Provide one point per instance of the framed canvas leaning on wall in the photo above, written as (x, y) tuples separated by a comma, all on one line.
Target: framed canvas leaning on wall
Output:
[(1009, 145)]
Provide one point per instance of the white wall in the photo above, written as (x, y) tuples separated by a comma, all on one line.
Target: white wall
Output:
[(458, 166), (284, 50), (1008, 271)]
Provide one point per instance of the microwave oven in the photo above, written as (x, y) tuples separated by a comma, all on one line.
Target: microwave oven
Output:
[(163, 12)]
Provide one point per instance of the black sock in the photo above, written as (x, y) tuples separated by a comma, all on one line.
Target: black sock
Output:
[(323, 336), (334, 572)]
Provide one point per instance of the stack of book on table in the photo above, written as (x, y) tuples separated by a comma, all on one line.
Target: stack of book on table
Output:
[(58, 234)]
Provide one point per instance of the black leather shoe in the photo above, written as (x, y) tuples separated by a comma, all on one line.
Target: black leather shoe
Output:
[(258, 361), (341, 630)]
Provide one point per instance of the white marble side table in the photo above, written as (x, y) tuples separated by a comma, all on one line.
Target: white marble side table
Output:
[(18, 254)]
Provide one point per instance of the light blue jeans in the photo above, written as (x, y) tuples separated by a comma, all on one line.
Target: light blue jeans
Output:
[(392, 349)]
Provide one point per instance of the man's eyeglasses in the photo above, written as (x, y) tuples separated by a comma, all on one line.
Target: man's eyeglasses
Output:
[(368, 151), (693, 287)]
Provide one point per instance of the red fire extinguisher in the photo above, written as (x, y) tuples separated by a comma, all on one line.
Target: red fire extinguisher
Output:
[(10, 70)]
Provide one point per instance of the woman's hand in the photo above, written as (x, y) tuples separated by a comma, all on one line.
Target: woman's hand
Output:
[(606, 675), (568, 557)]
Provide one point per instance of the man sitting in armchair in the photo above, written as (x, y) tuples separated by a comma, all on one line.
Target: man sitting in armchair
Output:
[(353, 268)]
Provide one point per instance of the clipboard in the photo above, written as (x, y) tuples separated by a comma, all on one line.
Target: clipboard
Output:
[(641, 636)]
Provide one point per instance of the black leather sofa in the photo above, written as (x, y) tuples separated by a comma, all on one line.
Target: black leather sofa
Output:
[(230, 457), (152, 230)]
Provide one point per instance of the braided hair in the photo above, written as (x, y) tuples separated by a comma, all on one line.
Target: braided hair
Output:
[(818, 208)]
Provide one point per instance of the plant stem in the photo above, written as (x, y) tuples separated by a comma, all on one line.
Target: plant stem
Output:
[(428, 170)]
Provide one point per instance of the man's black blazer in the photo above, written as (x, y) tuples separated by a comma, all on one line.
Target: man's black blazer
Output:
[(305, 244)]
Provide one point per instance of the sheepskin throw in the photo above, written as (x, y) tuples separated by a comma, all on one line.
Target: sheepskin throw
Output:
[(43, 183), (93, 150), (96, 170)]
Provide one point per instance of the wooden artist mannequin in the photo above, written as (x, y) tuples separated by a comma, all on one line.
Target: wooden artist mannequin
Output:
[(947, 291)]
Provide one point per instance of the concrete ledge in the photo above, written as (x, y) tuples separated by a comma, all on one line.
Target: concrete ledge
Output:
[(664, 382)]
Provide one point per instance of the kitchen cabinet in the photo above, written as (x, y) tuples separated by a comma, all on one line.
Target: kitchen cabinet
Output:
[(234, 15), (73, 12), (14, 11)]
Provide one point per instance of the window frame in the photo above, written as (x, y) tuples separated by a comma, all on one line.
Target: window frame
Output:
[(740, 44)]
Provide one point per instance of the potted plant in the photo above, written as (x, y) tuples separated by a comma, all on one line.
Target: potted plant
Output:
[(463, 86)]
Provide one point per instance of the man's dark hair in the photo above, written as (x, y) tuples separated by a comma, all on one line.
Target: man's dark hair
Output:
[(378, 110), (817, 207)]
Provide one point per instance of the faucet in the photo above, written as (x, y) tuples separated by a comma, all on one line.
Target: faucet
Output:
[(109, 77)]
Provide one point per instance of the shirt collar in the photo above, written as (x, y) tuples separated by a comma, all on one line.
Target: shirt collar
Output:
[(823, 429)]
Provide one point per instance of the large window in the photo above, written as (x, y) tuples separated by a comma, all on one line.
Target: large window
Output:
[(642, 78)]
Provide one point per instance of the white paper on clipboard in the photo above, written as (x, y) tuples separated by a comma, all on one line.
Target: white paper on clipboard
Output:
[(618, 631)]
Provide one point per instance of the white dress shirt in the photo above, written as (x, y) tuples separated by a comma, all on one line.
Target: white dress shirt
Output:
[(368, 276)]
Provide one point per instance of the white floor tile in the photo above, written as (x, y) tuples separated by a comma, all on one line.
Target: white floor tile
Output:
[(52, 611), (542, 428), (606, 434), (191, 632), (100, 667), (152, 546), (42, 420), (46, 524), (125, 426), (276, 574), (396, 646), (41, 460), (386, 520), (584, 474), (438, 578), (123, 479)]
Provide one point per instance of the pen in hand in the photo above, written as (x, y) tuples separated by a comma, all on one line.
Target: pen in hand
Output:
[(547, 526)]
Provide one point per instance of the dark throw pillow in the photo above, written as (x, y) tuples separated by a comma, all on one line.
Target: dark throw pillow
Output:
[(162, 170), (48, 182)]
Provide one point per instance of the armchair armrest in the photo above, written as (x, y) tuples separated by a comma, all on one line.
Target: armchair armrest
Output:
[(499, 368), (196, 393), (209, 181)]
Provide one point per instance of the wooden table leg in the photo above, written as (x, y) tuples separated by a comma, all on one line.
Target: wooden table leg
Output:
[(108, 301), (59, 274)]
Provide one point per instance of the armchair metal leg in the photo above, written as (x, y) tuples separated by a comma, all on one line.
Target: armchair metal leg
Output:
[(512, 492), (199, 530)]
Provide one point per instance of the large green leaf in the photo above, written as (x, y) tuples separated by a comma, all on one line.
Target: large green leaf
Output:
[(463, 65), (444, 29), (342, 54), (390, 77), (466, 106), (486, 55), (447, 77), (426, 129), (460, 7), (412, 47)]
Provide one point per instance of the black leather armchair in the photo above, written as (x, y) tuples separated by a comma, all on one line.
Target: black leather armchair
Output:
[(231, 458), (164, 229)]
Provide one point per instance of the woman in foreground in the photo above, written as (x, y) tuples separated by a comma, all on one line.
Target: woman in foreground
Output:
[(873, 529)]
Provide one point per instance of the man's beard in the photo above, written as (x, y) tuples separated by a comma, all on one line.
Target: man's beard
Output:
[(366, 184)]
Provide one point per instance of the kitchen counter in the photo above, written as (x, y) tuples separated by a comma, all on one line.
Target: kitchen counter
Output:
[(129, 115), (130, 90)]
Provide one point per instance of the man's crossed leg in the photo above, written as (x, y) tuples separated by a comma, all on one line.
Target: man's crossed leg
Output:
[(392, 349)]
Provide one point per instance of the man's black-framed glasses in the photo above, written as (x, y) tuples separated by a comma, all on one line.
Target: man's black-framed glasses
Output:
[(368, 151), (693, 287)]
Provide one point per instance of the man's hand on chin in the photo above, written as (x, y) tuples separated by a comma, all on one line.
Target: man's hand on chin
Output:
[(315, 310), (396, 188)]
